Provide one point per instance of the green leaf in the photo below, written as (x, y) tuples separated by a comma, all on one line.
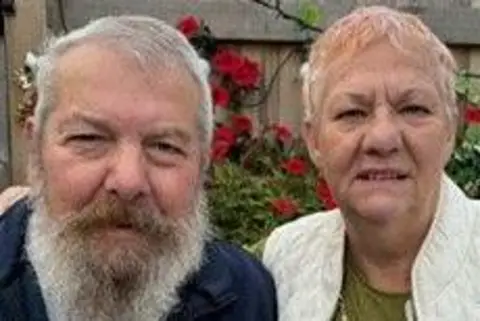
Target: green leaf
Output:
[(468, 86), (473, 134), (310, 12)]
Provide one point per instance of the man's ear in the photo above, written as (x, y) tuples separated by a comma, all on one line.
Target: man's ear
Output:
[(29, 133), (309, 135)]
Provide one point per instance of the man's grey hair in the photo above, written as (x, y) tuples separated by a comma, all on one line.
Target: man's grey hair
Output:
[(151, 42)]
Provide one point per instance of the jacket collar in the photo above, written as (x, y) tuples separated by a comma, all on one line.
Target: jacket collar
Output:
[(19, 290), (13, 225), (209, 289), (446, 252)]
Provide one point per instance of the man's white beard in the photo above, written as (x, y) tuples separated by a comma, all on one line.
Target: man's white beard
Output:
[(78, 285)]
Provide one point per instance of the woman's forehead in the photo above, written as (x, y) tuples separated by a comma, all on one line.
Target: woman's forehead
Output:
[(382, 59)]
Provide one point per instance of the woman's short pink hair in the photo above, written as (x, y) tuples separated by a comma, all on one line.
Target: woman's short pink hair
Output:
[(365, 26)]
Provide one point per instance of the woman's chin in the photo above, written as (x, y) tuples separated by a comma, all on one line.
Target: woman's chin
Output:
[(380, 209)]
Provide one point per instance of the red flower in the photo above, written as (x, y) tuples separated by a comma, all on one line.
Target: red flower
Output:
[(220, 96), (472, 115), (284, 207), (226, 61), (188, 25), (325, 195), (282, 132), (219, 150), (241, 124), (225, 134), (295, 166), (247, 75)]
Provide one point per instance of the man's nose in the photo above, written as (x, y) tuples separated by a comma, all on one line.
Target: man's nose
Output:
[(383, 135), (127, 176)]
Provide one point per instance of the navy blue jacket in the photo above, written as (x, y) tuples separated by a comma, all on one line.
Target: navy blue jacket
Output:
[(230, 286)]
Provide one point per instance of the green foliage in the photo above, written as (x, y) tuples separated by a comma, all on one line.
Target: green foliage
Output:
[(237, 203), (467, 88), (472, 134), (464, 167), (243, 193), (310, 12)]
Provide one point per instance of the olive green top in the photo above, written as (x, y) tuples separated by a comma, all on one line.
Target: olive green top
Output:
[(361, 302)]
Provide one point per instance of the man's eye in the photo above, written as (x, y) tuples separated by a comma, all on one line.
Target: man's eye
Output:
[(167, 148), (88, 144), (415, 110), (86, 138)]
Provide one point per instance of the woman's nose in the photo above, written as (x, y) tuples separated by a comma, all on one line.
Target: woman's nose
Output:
[(383, 135)]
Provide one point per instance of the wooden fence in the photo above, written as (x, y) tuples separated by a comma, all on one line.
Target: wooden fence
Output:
[(253, 31)]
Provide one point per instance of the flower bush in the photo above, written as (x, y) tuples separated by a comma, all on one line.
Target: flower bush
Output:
[(261, 176)]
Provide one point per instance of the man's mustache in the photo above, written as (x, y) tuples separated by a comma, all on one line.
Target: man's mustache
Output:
[(110, 212)]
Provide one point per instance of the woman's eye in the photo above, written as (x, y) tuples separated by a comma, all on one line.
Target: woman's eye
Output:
[(415, 110), (351, 114)]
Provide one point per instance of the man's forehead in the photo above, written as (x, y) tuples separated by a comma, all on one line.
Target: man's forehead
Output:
[(92, 62), (90, 58), (92, 55)]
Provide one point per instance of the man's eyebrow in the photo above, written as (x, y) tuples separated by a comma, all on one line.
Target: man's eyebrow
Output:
[(173, 132), (161, 131), (78, 119)]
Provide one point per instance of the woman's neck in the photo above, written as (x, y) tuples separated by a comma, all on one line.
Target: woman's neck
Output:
[(385, 254)]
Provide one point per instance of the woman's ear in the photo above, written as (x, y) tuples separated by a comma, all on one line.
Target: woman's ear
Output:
[(455, 128), (451, 143), (309, 135)]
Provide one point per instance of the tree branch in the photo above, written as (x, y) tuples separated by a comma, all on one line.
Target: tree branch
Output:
[(469, 74), (285, 15)]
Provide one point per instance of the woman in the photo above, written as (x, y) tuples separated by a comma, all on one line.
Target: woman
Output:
[(380, 124)]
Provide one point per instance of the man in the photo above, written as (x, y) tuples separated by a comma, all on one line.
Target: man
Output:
[(116, 228)]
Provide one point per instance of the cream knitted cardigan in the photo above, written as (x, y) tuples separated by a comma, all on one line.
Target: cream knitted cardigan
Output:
[(305, 258)]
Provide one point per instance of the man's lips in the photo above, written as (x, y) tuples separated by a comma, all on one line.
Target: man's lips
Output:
[(116, 226), (123, 226)]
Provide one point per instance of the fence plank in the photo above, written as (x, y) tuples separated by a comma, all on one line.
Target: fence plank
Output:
[(453, 20), (4, 171), (24, 31)]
